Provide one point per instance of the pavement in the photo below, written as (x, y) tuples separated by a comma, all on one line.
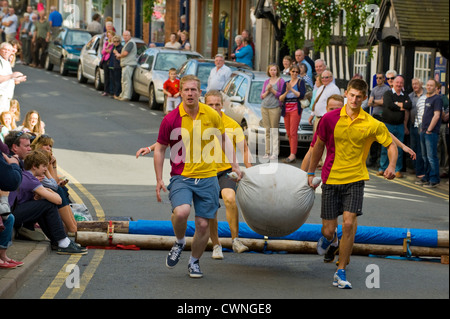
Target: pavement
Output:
[(33, 253)]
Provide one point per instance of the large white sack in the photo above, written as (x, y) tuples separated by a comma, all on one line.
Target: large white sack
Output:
[(275, 199)]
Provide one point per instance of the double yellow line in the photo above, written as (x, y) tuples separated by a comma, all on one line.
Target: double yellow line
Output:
[(62, 276), (419, 188)]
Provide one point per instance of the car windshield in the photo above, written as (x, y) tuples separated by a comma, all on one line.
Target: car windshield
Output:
[(254, 96), (77, 38), (166, 61), (203, 72)]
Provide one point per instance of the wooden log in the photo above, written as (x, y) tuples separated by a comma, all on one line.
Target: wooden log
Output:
[(442, 238), (102, 226), (154, 242)]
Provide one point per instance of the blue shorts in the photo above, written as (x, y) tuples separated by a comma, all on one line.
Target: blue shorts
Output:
[(203, 192)]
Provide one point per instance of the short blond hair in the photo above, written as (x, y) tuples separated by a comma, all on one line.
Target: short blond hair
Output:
[(188, 78)]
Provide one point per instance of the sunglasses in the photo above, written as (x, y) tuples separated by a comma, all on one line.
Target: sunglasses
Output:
[(391, 78), (326, 77), (293, 71), (380, 78)]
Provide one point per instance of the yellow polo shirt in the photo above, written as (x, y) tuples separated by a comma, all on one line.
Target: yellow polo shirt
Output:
[(191, 140), (235, 134), (348, 143)]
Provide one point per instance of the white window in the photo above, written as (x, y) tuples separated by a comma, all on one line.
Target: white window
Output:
[(360, 66), (422, 66)]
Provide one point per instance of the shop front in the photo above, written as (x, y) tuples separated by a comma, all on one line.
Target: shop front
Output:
[(219, 22)]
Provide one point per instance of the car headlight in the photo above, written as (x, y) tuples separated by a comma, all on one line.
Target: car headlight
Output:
[(71, 56)]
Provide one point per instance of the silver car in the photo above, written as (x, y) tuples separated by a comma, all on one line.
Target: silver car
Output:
[(91, 54), (153, 70), (242, 102)]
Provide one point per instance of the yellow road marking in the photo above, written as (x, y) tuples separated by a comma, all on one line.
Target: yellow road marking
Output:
[(88, 273), (60, 278), (416, 187)]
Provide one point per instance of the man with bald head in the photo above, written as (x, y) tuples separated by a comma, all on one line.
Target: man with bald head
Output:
[(328, 88), (300, 58), (128, 62)]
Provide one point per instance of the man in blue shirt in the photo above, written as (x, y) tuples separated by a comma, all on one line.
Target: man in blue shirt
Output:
[(429, 135), (55, 19)]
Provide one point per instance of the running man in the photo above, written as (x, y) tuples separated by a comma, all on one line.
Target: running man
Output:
[(190, 130), (227, 185), (347, 134)]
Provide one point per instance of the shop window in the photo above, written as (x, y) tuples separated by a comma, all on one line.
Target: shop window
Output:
[(360, 66), (158, 20), (422, 66)]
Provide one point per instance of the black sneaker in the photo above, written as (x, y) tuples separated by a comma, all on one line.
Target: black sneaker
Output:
[(431, 185), (174, 255), (330, 254), (194, 270), (72, 249)]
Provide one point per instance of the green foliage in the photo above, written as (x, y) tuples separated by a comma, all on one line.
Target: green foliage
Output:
[(321, 16)]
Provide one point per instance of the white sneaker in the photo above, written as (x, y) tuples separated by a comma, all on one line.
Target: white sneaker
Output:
[(217, 252), (238, 246), (340, 280)]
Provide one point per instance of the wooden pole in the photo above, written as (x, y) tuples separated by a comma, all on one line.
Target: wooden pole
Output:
[(154, 242), (102, 226)]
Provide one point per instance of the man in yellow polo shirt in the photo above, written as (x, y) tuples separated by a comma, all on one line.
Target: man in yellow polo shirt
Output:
[(227, 185), (347, 134), (189, 130)]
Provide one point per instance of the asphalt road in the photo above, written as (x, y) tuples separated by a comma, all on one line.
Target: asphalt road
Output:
[(96, 139)]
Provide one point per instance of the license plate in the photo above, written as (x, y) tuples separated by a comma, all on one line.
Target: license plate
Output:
[(305, 138)]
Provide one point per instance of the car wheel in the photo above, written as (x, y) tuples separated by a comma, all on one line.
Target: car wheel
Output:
[(152, 104), (62, 68), (48, 66), (98, 80), (80, 77)]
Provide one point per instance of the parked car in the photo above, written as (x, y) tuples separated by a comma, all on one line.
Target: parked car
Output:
[(91, 54), (201, 68), (64, 49), (242, 102), (153, 70)]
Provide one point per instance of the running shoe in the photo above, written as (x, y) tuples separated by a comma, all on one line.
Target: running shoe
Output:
[(331, 252), (174, 255), (340, 280), (238, 246), (323, 244), (194, 270), (217, 252)]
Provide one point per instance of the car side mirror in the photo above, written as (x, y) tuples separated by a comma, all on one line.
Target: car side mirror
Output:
[(237, 99), (145, 66)]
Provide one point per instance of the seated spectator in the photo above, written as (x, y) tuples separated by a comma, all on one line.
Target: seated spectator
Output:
[(32, 123), (5, 124), (173, 43), (50, 179), (184, 37), (11, 179), (35, 203), (15, 111)]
